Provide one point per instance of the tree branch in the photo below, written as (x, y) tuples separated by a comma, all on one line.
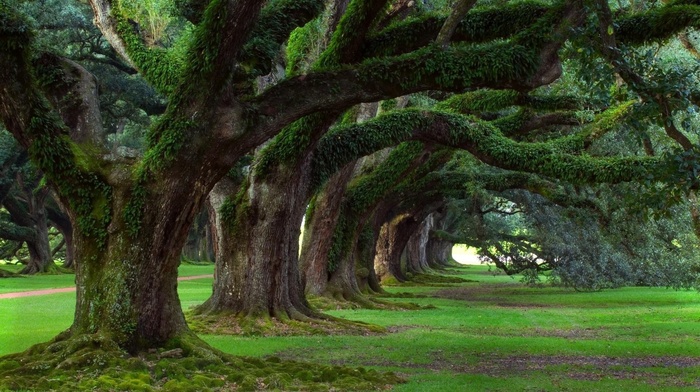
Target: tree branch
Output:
[(484, 141), (477, 26), (276, 22), (612, 54), (525, 63), (459, 11), (454, 69)]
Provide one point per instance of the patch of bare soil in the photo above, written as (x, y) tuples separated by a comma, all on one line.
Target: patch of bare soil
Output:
[(497, 294), (591, 368), (520, 363), (481, 292)]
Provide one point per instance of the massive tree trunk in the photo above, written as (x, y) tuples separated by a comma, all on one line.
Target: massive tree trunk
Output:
[(32, 216), (438, 250), (390, 245), (416, 253), (257, 272), (126, 275), (439, 253), (61, 222), (198, 246), (394, 235), (319, 226), (367, 278)]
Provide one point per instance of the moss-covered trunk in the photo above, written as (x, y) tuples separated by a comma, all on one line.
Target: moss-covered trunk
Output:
[(126, 277), (31, 216), (321, 220), (416, 252), (198, 246), (391, 243), (394, 235), (257, 271)]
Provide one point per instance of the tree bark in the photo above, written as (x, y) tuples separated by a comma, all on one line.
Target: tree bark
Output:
[(257, 272), (61, 222), (198, 245), (392, 240), (416, 253), (394, 235), (32, 216), (127, 282), (318, 231)]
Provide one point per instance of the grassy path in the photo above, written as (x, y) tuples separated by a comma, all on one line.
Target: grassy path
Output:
[(489, 334), (32, 293), (63, 281)]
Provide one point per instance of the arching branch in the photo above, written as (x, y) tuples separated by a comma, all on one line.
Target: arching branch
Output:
[(487, 143)]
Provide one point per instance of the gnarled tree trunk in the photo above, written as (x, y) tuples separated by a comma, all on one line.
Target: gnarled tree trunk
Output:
[(394, 235), (416, 254), (126, 275), (318, 231), (32, 217), (198, 246), (257, 272)]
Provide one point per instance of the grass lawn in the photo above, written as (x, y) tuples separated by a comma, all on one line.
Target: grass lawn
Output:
[(490, 335)]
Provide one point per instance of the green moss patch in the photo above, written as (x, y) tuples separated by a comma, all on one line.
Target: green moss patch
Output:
[(427, 280), (94, 362), (367, 302), (231, 324)]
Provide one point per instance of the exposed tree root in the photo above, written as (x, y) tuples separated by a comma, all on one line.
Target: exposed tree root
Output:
[(51, 269), (232, 324), (95, 362), (7, 274)]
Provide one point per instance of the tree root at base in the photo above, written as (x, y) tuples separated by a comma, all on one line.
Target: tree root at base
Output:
[(232, 324), (95, 362)]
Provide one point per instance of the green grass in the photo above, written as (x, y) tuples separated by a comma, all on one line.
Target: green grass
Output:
[(494, 335), (29, 283)]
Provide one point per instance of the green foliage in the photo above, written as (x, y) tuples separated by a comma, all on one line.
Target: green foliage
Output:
[(293, 141), (157, 65), (552, 158), (658, 24), (15, 30), (483, 100), (355, 23), (155, 15), (277, 21), (304, 43), (455, 68), (480, 25)]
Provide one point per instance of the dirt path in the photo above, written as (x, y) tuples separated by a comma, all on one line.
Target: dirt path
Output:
[(71, 289)]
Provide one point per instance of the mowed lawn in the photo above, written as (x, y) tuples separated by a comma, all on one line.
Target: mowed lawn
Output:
[(491, 334)]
